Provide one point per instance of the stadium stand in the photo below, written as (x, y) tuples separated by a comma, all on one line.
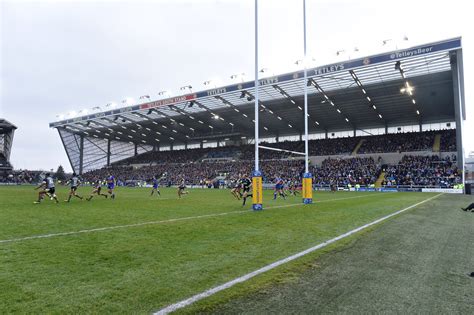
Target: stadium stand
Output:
[(7, 131), (398, 142), (343, 172), (209, 134), (342, 169), (448, 141), (430, 171)]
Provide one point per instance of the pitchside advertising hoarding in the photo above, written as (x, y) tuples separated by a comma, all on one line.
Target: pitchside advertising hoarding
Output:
[(447, 45)]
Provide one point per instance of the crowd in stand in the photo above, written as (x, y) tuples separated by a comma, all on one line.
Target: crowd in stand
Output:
[(448, 141), (197, 165), (248, 151), (205, 164), (22, 177), (194, 173), (423, 171), (343, 172), (335, 146), (399, 142)]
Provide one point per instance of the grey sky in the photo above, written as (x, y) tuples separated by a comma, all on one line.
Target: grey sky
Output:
[(58, 56)]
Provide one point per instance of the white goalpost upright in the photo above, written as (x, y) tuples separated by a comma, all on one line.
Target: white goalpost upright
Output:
[(257, 181), (307, 192), (307, 180)]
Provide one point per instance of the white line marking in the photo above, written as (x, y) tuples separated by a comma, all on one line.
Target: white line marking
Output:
[(108, 228), (200, 296)]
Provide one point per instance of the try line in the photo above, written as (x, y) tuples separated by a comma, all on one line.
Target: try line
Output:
[(116, 227), (212, 291)]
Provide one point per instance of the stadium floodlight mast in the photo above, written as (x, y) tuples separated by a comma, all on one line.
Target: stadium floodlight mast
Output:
[(186, 87), (237, 76)]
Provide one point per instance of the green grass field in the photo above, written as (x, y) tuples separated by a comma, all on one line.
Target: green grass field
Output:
[(140, 269)]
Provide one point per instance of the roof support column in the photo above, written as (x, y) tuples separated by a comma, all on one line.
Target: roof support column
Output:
[(354, 132), (459, 111), (326, 134), (108, 152), (81, 154), (136, 150), (386, 129)]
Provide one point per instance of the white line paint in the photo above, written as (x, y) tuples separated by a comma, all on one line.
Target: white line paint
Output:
[(116, 227), (200, 296)]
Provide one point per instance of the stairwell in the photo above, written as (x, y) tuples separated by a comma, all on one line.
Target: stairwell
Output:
[(378, 182), (357, 147), (437, 143)]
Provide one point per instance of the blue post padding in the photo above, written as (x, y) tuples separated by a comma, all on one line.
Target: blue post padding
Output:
[(256, 173), (257, 207), (307, 175), (307, 201)]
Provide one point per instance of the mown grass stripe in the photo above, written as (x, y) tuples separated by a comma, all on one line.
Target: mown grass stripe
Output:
[(212, 291), (116, 227)]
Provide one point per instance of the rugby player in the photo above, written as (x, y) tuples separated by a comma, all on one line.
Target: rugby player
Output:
[(156, 184), (74, 182), (96, 190), (246, 185), (111, 186), (181, 188), (47, 188)]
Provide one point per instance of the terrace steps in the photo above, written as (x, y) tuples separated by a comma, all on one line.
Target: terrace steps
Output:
[(357, 147), (437, 143), (378, 182)]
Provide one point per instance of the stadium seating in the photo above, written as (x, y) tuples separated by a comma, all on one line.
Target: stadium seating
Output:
[(362, 171), (227, 163), (448, 141), (429, 171), (398, 142)]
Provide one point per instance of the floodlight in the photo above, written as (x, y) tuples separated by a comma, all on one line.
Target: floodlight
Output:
[(398, 65)]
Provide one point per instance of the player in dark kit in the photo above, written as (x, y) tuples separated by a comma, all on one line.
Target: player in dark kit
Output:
[(181, 189), (74, 182), (97, 189), (469, 208), (246, 185), (293, 187), (156, 184), (47, 188)]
